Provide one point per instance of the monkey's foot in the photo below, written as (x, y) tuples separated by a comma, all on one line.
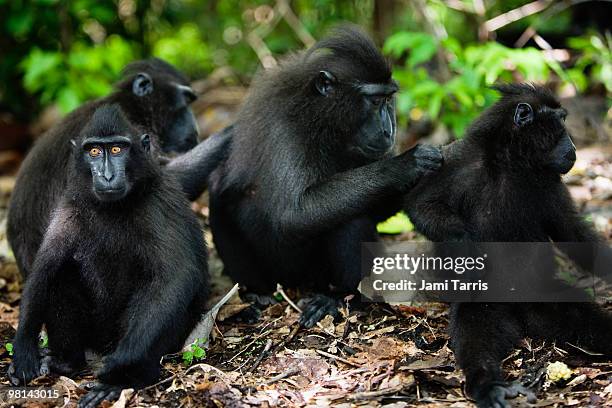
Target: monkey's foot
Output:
[(24, 368), (98, 393), (317, 308), (495, 394)]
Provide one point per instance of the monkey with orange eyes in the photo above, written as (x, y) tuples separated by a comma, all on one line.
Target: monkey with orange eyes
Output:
[(122, 268)]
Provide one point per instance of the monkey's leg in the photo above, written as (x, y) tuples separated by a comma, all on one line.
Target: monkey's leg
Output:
[(240, 261), (436, 220), (582, 324), (343, 249), (67, 322), (136, 375), (482, 335)]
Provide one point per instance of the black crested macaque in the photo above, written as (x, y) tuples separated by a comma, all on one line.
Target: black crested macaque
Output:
[(310, 172), (502, 183), (154, 96), (122, 268)]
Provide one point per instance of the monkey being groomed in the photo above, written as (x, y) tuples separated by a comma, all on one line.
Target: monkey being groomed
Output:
[(121, 269), (502, 183)]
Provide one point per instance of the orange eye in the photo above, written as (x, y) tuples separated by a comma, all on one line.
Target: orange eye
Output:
[(95, 152), (115, 150)]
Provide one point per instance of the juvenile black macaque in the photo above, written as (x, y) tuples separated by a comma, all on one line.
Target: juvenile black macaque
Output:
[(122, 268), (155, 98), (310, 172), (502, 183)]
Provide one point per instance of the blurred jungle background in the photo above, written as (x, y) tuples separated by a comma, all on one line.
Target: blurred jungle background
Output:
[(56, 54)]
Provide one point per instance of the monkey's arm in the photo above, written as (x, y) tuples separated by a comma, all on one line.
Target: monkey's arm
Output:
[(49, 261), (152, 322), (434, 218), (356, 192), (193, 168), (566, 228)]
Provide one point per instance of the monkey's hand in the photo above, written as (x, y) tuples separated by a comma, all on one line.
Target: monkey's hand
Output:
[(317, 308), (494, 394), (25, 366), (421, 160), (98, 393)]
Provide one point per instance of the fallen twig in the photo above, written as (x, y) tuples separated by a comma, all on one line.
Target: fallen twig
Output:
[(287, 339), (263, 353), (334, 357), (280, 290), (284, 375), (374, 394)]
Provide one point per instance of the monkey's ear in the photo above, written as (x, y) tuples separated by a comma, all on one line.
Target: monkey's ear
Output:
[(145, 140), (325, 82), (523, 114), (142, 85)]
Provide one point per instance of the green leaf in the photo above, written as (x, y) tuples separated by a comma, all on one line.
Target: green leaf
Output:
[(199, 353), (435, 104), (68, 99), (398, 43), (187, 358), (43, 341), (421, 46), (37, 66), (20, 23), (422, 51), (397, 224), (9, 348)]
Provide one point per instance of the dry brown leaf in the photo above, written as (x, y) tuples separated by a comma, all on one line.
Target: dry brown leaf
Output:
[(123, 398), (230, 310), (379, 332)]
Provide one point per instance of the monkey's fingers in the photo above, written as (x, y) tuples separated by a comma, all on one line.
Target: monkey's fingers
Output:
[(98, 394), (428, 152), (318, 307), (500, 392), (23, 370)]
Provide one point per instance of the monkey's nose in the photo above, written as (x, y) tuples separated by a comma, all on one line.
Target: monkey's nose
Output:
[(570, 156)]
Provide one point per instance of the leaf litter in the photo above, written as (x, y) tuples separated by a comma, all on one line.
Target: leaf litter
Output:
[(381, 356)]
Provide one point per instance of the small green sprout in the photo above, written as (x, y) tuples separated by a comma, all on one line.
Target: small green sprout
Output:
[(43, 341), (196, 352), (9, 348)]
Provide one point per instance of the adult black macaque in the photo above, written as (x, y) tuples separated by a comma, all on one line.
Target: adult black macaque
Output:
[(309, 173), (502, 183), (155, 98), (122, 268)]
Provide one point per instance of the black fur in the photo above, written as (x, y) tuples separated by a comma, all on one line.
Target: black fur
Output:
[(499, 184), (192, 169), (127, 279), (42, 178), (295, 199)]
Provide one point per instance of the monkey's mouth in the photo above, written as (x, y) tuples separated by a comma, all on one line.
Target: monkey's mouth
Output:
[(373, 152), (109, 195)]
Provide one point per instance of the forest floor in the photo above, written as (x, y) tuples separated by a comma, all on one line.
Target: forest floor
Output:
[(391, 356)]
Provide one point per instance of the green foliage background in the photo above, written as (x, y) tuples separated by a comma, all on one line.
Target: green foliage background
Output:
[(66, 52)]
